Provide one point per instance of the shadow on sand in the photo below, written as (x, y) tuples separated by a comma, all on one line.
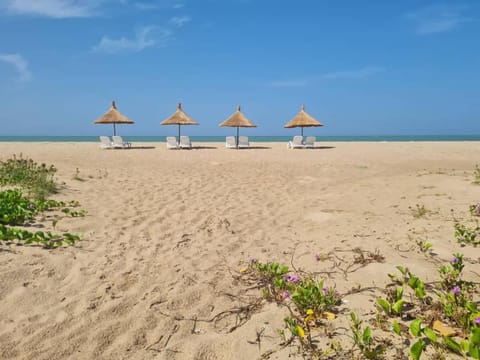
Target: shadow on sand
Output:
[(202, 147), (139, 147)]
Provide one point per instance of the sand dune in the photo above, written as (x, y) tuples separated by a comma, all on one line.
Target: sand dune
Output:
[(166, 229)]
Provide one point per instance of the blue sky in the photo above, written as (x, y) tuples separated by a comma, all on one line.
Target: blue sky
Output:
[(362, 67)]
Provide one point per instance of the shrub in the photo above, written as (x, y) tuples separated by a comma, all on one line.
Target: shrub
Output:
[(36, 180)]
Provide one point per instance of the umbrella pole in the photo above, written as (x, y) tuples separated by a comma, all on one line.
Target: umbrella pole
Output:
[(302, 130), (237, 137), (114, 130), (179, 133)]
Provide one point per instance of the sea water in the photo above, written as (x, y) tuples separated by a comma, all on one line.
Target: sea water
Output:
[(265, 139)]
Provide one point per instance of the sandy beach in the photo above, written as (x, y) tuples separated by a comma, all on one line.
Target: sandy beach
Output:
[(168, 230)]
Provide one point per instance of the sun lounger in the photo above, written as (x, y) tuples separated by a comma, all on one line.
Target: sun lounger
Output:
[(230, 142), (243, 142), (105, 142), (185, 142), (118, 143), (172, 142), (296, 143), (310, 142)]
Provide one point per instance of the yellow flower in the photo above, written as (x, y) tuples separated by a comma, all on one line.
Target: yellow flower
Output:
[(301, 332)]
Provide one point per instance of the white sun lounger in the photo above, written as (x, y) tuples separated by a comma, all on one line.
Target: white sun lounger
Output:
[(230, 142), (105, 142), (118, 143), (172, 142), (296, 142), (185, 142), (243, 142), (310, 142)]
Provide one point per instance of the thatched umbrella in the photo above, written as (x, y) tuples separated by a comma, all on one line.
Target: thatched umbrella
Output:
[(179, 118), (113, 116), (302, 119), (237, 120)]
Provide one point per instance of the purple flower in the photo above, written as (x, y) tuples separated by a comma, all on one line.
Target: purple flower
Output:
[(454, 260), (456, 290), (325, 289), (286, 294), (317, 257), (477, 320), (291, 278)]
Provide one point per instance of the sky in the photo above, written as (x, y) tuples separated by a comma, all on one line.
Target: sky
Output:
[(361, 67)]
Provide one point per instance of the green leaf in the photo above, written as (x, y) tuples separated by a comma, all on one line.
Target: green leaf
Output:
[(429, 333), (396, 327), (399, 292), (385, 305), (464, 345), (397, 307), (452, 344), (367, 335), (416, 349), (416, 327), (475, 336), (474, 351)]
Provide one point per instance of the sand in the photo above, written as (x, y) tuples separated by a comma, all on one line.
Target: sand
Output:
[(168, 230)]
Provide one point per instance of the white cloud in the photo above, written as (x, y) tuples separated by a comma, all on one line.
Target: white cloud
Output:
[(354, 74), (362, 73), (179, 21), (438, 18), (144, 38), (20, 65), (52, 8)]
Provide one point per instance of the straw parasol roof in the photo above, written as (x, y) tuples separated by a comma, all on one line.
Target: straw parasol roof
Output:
[(179, 118), (237, 120), (302, 119), (113, 116)]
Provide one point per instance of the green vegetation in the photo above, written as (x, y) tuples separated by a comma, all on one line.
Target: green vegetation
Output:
[(420, 211), (17, 209), (476, 175), (36, 180)]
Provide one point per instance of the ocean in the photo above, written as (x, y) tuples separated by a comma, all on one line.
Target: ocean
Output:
[(376, 138)]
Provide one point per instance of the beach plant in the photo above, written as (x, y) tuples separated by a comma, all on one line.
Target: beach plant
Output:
[(393, 304), (451, 273), (47, 239), (420, 211), (307, 299), (467, 235), (37, 180), (475, 209), (15, 209), (363, 339), (424, 246), (476, 175)]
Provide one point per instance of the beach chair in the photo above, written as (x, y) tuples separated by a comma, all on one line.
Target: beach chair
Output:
[(243, 142), (118, 143), (230, 142), (310, 142), (296, 142), (172, 142), (105, 142), (185, 142)]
